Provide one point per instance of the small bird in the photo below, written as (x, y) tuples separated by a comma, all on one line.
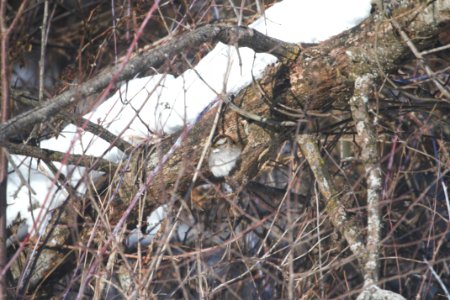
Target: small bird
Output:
[(202, 194), (224, 156)]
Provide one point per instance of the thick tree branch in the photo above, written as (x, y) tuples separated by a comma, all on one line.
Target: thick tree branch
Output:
[(325, 75), (240, 36), (51, 155), (334, 207), (322, 76), (27, 100), (368, 143)]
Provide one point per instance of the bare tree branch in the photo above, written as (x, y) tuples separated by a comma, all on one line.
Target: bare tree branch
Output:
[(334, 207), (240, 36), (321, 77), (87, 161)]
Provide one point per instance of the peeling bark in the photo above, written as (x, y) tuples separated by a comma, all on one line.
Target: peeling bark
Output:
[(321, 77), (317, 79)]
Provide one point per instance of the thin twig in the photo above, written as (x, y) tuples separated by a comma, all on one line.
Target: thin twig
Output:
[(419, 56), (51, 155), (4, 118), (434, 50), (42, 54), (438, 279)]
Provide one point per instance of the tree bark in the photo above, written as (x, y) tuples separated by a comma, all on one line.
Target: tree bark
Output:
[(313, 80), (321, 77)]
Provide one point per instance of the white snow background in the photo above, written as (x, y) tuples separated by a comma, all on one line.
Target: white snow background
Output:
[(166, 104)]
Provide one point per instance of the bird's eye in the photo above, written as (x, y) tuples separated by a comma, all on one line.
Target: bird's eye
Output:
[(221, 141)]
